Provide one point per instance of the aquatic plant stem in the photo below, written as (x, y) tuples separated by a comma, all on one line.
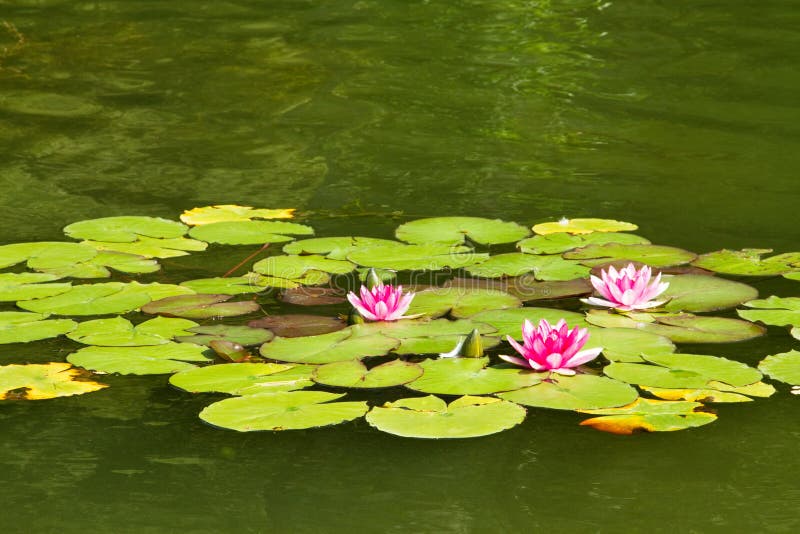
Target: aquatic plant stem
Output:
[(236, 267)]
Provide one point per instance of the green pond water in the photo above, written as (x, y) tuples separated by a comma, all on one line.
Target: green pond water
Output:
[(680, 116)]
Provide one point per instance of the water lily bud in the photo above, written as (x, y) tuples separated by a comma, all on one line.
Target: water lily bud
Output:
[(373, 280), (473, 345), (355, 318)]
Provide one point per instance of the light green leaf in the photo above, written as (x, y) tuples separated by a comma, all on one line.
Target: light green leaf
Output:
[(119, 332), (244, 378), (124, 229), (296, 267), (22, 327), (698, 293), (774, 311), (749, 262), (237, 285), (152, 360), (248, 232), (432, 257), (653, 255), (354, 374), (509, 322), (327, 348), (578, 392), (649, 416), (25, 286), (784, 367), (335, 248), (454, 231), (516, 264), (562, 242), (460, 301), (243, 335), (470, 376)]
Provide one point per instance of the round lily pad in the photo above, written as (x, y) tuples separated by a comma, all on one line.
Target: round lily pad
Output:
[(354, 374), (460, 301), (296, 267), (454, 231), (562, 242), (283, 410), (653, 255), (578, 392), (45, 254), (784, 367), (327, 348), (431, 418), (628, 344), (231, 212), (102, 299), (509, 322), (150, 247), (431, 257), (680, 328), (200, 306), (299, 325), (26, 286), (749, 262), (243, 335), (439, 344), (244, 378), (124, 229), (237, 285), (152, 360), (119, 332), (335, 248), (248, 232), (516, 264), (526, 287), (698, 293), (774, 310), (714, 392), (22, 327), (683, 371), (647, 415), (470, 376), (44, 381), (420, 328), (583, 226)]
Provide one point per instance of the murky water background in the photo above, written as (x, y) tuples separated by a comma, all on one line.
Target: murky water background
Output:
[(680, 116)]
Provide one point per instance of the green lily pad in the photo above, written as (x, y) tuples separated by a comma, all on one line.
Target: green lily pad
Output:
[(680, 328), (455, 230), (243, 335), (99, 265), (432, 257), (125, 229), (578, 392), (149, 247), (647, 415), (298, 325), (22, 327), (784, 367), (354, 374), (420, 328), (45, 254), (562, 241), (683, 371), (296, 268), (26, 286), (152, 360), (714, 392), (583, 226), (509, 322), (698, 293), (119, 332), (335, 248), (438, 344), (232, 212), (460, 301), (310, 278), (200, 306), (749, 262), (44, 381), (627, 344), (237, 285), (526, 287), (470, 376), (774, 311), (465, 417), (327, 348), (516, 263), (230, 351), (248, 232), (282, 410), (102, 299), (792, 276), (313, 296), (244, 378), (653, 255)]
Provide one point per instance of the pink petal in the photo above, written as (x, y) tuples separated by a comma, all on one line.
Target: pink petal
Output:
[(583, 357), (516, 361)]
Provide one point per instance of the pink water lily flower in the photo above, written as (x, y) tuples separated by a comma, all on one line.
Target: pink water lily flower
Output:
[(552, 348), (381, 303), (628, 289)]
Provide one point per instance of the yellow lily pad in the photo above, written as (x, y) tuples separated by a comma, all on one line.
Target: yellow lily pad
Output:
[(44, 381), (232, 212), (583, 226)]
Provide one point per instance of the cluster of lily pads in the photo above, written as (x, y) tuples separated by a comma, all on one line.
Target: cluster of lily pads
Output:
[(475, 281)]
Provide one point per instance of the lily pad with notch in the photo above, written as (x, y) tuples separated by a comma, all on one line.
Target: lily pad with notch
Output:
[(784, 367), (151, 247), (200, 306), (44, 381), (775, 311), (430, 257), (628, 344), (248, 232), (232, 212), (299, 325), (26, 286), (151, 360), (235, 285), (526, 287), (282, 410), (334, 248), (354, 374), (244, 378), (652, 255), (431, 418), (313, 296), (125, 229), (509, 322), (681, 371), (23, 327), (749, 262), (583, 226), (578, 392), (243, 335), (545, 268), (455, 230), (648, 415), (714, 392), (328, 348), (460, 301), (561, 242), (698, 293), (120, 332), (471, 376)]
